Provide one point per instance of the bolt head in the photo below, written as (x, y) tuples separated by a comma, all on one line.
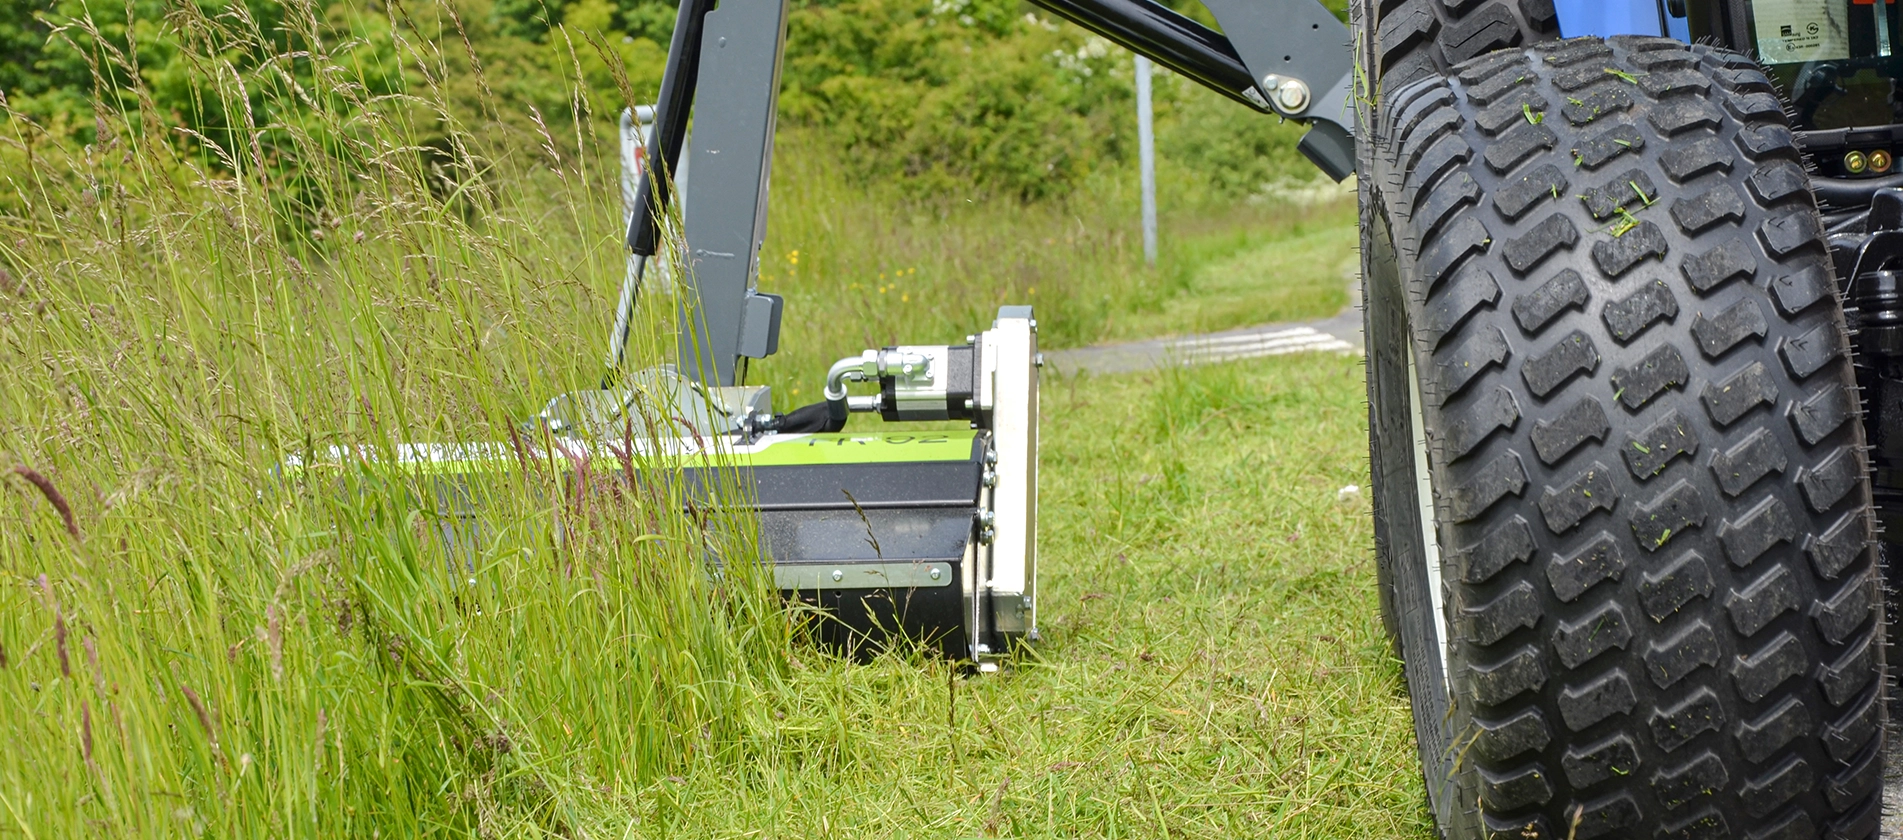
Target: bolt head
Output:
[(1292, 95), (936, 573), (838, 575)]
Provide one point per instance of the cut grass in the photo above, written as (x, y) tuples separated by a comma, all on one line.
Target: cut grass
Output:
[(862, 268), (1213, 663), (1289, 272)]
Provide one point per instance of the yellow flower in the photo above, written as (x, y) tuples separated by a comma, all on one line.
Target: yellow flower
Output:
[(1033, 290), (905, 298)]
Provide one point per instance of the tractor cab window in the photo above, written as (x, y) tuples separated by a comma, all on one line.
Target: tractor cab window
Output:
[(1835, 60)]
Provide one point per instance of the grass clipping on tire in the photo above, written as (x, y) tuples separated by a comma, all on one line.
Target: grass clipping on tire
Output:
[(1646, 462)]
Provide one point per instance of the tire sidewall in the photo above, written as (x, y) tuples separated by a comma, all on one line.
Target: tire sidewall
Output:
[(1401, 563)]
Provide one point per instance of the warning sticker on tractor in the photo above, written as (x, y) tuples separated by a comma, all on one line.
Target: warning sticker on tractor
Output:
[(1794, 31)]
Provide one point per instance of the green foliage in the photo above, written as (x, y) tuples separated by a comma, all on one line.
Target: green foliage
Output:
[(1233, 151), (990, 97), (954, 95), (964, 98), (526, 19), (22, 41)]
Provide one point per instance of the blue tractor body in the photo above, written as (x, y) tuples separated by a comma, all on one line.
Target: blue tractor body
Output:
[(1631, 17)]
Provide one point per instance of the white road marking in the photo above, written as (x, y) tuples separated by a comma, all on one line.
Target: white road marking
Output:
[(1228, 348), (1340, 334)]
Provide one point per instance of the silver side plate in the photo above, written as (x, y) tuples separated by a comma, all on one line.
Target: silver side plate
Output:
[(911, 574)]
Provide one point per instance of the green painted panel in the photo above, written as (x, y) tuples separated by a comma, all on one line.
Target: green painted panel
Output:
[(770, 451), (843, 448)]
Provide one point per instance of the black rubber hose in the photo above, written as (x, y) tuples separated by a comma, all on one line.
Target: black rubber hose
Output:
[(817, 417), (1846, 192), (1171, 39), (670, 125)]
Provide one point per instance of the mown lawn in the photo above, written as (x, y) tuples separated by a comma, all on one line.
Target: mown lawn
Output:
[(1213, 665), (861, 267)]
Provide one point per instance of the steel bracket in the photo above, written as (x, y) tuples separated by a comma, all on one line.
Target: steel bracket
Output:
[(1299, 54), (722, 317)]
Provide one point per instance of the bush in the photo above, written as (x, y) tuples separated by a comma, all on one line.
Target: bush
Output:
[(939, 98), (957, 95)]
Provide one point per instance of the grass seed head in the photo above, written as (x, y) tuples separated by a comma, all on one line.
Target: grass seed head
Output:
[(86, 730), (204, 715), (59, 643), (52, 495), (92, 661)]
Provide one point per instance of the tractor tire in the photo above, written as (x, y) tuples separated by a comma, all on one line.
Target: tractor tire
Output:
[(1617, 459), (1414, 39), (1401, 41)]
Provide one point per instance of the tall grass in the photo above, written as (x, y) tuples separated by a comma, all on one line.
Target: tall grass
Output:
[(194, 641)]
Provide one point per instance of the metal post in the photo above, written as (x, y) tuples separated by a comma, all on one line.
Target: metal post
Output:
[(1146, 153)]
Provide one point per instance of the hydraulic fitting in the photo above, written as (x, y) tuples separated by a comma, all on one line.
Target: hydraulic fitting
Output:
[(916, 382)]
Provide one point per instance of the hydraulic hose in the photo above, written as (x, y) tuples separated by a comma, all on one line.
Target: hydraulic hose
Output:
[(1168, 38), (1846, 192), (665, 140)]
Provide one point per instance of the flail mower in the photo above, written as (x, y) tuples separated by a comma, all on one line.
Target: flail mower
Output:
[(1633, 286)]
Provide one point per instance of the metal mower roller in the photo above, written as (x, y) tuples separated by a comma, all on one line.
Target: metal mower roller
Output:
[(1634, 324)]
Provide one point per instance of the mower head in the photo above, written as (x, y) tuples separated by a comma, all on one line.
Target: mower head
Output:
[(927, 536)]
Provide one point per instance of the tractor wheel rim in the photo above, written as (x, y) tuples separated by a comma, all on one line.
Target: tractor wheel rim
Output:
[(1424, 500)]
